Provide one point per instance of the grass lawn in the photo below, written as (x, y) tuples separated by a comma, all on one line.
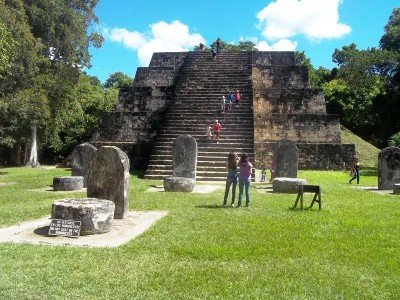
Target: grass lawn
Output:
[(349, 250)]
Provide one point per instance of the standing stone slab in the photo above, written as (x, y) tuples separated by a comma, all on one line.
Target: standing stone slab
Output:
[(81, 157), (108, 178), (396, 189), (184, 156), (286, 157), (388, 168)]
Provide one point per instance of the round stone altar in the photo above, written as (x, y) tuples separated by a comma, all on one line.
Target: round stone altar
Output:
[(68, 183), (95, 214), (287, 185), (179, 184)]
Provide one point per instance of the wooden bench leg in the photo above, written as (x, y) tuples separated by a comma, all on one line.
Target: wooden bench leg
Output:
[(297, 200)]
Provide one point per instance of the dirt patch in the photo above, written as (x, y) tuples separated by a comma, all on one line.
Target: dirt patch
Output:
[(122, 231), (198, 189), (6, 183)]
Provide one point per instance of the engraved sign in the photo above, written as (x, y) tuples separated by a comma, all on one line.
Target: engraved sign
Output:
[(68, 228)]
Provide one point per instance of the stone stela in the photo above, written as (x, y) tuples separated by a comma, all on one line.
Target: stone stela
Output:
[(68, 228), (286, 157)]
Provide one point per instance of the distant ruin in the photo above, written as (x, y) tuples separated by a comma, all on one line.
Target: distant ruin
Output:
[(179, 94)]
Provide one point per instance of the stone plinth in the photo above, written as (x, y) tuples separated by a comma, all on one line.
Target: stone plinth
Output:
[(68, 183), (81, 157), (96, 215), (396, 189), (108, 178), (179, 184), (287, 185)]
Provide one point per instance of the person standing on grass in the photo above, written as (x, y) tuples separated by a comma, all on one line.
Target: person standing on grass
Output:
[(217, 130), (272, 170), (245, 170), (355, 170), (237, 98), (263, 171), (231, 179)]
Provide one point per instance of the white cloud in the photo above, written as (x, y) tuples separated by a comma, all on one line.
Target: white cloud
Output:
[(164, 37), (281, 45), (315, 19)]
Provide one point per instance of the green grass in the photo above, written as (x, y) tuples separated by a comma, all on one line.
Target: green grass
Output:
[(367, 153), (349, 250)]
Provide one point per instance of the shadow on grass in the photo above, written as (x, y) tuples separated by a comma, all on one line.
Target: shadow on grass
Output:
[(369, 172), (311, 209), (138, 173), (3, 173), (209, 206)]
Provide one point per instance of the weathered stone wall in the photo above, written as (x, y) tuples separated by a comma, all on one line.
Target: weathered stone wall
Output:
[(305, 128), (316, 156), (133, 132), (168, 59), (155, 77), (289, 101), (285, 77), (143, 99), (274, 58)]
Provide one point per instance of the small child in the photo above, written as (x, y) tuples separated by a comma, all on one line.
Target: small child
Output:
[(263, 171), (223, 101), (208, 132)]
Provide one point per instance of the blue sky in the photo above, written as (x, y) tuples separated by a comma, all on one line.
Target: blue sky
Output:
[(134, 29)]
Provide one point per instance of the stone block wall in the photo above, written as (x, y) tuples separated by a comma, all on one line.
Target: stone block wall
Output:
[(155, 76), (285, 77), (316, 156), (273, 58), (133, 132), (305, 128), (168, 59), (289, 101)]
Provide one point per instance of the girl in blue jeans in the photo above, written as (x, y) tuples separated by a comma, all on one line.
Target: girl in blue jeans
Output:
[(231, 179), (245, 170)]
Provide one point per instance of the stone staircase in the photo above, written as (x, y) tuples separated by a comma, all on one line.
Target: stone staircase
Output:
[(195, 104)]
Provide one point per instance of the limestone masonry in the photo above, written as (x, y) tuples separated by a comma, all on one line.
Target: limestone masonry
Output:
[(180, 93)]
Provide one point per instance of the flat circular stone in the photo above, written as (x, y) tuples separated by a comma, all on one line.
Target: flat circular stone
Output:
[(95, 214), (179, 184), (287, 185), (68, 183)]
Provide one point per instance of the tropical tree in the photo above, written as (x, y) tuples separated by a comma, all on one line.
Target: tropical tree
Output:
[(394, 140)]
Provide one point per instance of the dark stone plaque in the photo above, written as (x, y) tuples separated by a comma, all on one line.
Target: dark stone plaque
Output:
[(68, 228)]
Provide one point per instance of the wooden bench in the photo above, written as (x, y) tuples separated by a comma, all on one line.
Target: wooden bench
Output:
[(305, 188)]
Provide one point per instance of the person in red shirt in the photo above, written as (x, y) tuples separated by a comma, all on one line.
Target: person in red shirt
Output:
[(217, 130)]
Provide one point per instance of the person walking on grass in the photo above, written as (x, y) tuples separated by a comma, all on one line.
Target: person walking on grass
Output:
[(231, 179), (245, 170), (355, 170)]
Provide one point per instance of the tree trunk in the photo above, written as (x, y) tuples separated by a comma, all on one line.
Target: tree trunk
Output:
[(33, 160), (17, 154)]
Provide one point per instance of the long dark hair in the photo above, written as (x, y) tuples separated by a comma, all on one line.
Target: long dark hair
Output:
[(232, 162), (244, 158)]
